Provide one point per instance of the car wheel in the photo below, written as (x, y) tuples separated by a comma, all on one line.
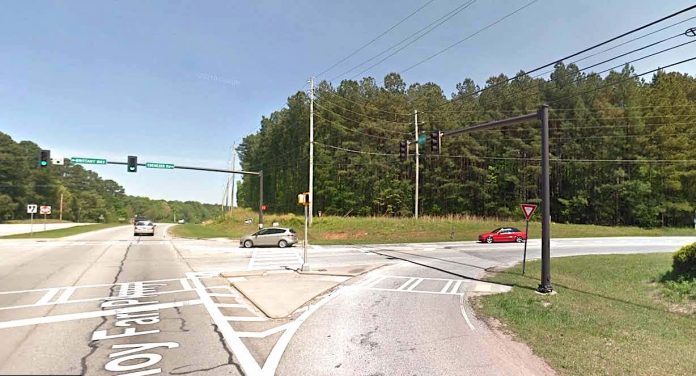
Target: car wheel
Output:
[(489, 240), (282, 244), (519, 239), (248, 244)]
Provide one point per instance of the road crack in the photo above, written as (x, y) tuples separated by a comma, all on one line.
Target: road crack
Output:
[(94, 345)]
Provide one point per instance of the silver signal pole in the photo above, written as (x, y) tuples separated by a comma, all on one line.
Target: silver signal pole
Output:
[(311, 149)]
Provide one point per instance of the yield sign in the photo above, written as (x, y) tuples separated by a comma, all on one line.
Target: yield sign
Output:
[(528, 210)]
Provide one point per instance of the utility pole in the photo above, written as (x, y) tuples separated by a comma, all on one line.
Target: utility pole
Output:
[(545, 285), (233, 199), (311, 149), (229, 191), (415, 121), (61, 207)]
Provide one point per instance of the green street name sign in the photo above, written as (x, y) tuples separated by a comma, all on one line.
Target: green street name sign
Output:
[(159, 165), (87, 160), (421, 139)]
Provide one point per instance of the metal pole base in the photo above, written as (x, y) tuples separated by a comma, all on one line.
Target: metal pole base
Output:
[(305, 267), (548, 289)]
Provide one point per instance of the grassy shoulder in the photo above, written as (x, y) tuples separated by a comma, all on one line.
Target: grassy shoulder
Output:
[(363, 230), (38, 219), (608, 318), (59, 233)]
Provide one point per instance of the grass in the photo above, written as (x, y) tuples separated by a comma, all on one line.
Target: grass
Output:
[(608, 318), (38, 219), (363, 230), (59, 233)]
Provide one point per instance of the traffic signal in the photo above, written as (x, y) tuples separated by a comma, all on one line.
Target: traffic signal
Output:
[(403, 150), (45, 158), (132, 163), (435, 139)]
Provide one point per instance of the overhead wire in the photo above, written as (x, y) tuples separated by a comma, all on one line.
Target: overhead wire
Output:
[(375, 38), (469, 36), (441, 20), (556, 61)]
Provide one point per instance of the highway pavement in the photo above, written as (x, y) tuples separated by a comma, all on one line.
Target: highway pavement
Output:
[(109, 303)]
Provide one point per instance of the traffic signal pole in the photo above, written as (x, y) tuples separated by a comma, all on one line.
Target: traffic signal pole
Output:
[(543, 116), (259, 174)]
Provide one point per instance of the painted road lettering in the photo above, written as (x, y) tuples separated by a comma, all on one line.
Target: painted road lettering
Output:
[(134, 359)]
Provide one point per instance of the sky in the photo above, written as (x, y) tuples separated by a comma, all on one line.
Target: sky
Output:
[(183, 81)]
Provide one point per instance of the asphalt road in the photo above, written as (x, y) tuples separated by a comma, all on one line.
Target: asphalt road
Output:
[(110, 303)]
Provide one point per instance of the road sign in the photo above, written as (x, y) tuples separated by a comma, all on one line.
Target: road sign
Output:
[(264, 207), (528, 210), (81, 160), (31, 208), (45, 209), (159, 165)]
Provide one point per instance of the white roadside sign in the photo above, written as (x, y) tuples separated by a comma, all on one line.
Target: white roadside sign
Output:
[(31, 208), (45, 209)]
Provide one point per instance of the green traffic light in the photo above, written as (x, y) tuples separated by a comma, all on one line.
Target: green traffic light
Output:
[(44, 163)]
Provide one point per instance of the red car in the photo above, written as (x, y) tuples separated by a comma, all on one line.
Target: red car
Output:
[(503, 234)]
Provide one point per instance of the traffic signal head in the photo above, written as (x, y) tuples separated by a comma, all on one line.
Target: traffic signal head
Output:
[(435, 139), (132, 163), (45, 158), (403, 150)]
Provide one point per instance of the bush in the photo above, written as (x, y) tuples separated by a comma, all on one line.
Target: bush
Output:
[(684, 261)]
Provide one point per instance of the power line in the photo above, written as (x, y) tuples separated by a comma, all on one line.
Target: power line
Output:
[(625, 79), (414, 40), (470, 36), (354, 130), (354, 151), (375, 38), (357, 113), (363, 104), (442, 19), (575, 54)]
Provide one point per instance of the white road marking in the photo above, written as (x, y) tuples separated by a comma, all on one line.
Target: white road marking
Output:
[(415, 291), (245, 318), (244, 357), (204, 275), (265, 333), (231, 305), (269, 367), (78, 301), (456, 287), (93, 314), (447, 286), (48, 296), (413, 286), (405, 284), (463, 311), (185, 284), (375, 282), (65, 295)]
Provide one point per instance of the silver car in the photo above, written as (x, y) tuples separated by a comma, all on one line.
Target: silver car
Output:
[(272, 236), (144, 228)]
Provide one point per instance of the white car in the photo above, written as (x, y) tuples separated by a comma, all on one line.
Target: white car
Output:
[(144, 228)]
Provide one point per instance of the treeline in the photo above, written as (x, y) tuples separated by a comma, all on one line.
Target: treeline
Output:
[(86, 196), (623, 148)]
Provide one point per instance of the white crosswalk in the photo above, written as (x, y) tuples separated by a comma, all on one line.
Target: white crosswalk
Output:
[(441, 286), (268, 259)]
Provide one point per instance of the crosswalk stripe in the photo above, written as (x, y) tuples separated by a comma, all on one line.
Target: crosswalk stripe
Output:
[(48, 296), (447, 286)]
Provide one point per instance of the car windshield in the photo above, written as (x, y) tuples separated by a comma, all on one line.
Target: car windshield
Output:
[(142, 223), (498, 229), (293, 231)]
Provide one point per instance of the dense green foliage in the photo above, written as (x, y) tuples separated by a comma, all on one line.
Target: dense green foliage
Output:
[(622, 148), (86, 196), (684, 261)]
